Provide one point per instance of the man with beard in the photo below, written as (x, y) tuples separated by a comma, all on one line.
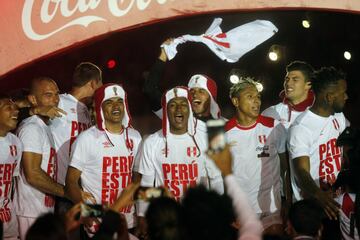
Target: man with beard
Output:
[(315, 159), (257, 144), (10, 156), (37, 184)]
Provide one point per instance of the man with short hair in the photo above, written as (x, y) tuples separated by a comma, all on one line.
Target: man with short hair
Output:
[(86, 79), (305, 220), (103, 156), (37, 184), (315, 159), (258, 145), (297, 95), (10, 156)]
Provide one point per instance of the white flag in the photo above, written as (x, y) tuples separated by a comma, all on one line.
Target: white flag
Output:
[(229, 46)]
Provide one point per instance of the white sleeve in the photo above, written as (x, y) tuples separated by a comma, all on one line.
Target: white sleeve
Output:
[(145, 159), (299, 143), (19, 146), (251, 228), (32, 138), (280, 136), (271, 112), (79, 153), (138, 155), (214, 175)]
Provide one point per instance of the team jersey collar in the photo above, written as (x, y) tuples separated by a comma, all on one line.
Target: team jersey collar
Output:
[(300, 107), (232, 123)]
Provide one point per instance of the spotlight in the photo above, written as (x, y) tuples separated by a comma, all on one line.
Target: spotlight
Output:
[(305, 23), (347, 55), (277, 52), (259, 87), (111, 63), (273, 56), (234, 79)]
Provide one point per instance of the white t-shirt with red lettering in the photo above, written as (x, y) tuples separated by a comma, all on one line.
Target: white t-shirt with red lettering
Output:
[(106, 164), (348, 227), (184, 165), (315, 136), (66, 128), (256, 163), (36, 138), (10, 156)]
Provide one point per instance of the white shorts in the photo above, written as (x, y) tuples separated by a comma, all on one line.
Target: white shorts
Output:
[(24, 225), (269, 219)]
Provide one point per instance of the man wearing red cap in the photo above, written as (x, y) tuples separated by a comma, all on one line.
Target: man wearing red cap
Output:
[(174, 156), (202, 89), (103, 156)]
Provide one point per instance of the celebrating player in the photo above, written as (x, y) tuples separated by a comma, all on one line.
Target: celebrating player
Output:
[(256, 144), (37, 184), (314, 157), (103, 155), (10, 156)]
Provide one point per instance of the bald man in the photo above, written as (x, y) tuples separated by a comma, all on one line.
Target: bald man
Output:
[(37, 184)]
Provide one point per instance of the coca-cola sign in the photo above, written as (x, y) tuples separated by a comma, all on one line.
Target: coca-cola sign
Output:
[(63, 8), (31, 29)]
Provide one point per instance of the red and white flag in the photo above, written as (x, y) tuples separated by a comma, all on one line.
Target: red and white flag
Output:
[(229, 46)]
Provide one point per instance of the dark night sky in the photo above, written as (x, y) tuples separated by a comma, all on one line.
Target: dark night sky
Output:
[(135, 50)]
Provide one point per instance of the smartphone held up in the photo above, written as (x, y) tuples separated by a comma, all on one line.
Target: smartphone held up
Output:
[(216, 134)]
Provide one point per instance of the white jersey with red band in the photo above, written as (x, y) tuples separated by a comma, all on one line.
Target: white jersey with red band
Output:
[(37, 138), (183, 167), (315, 136), (347, 216), (282, 113), (66, 128), (10, 157), (256, 163), (106, 164)]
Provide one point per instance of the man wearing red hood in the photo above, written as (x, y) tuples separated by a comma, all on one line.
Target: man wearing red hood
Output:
[(102, 156)]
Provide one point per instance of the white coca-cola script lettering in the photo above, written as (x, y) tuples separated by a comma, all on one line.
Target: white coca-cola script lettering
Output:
[(61, 8)]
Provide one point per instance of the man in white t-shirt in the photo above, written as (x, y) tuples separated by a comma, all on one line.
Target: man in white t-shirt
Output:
[(257, 143), (103, 156), (174, 156), (315, 159), (86, 79), (297, 96), (10, 156), (37, 184)]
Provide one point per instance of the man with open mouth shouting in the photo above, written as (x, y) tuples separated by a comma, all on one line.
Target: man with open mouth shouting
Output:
[(174, 156)]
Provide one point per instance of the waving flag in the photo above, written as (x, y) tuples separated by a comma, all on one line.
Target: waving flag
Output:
[(229, 46)]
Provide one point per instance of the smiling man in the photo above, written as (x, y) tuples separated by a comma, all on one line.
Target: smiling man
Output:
[(10, 156), (103, 155), (258, 145), (38, 184), (297, 95)]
